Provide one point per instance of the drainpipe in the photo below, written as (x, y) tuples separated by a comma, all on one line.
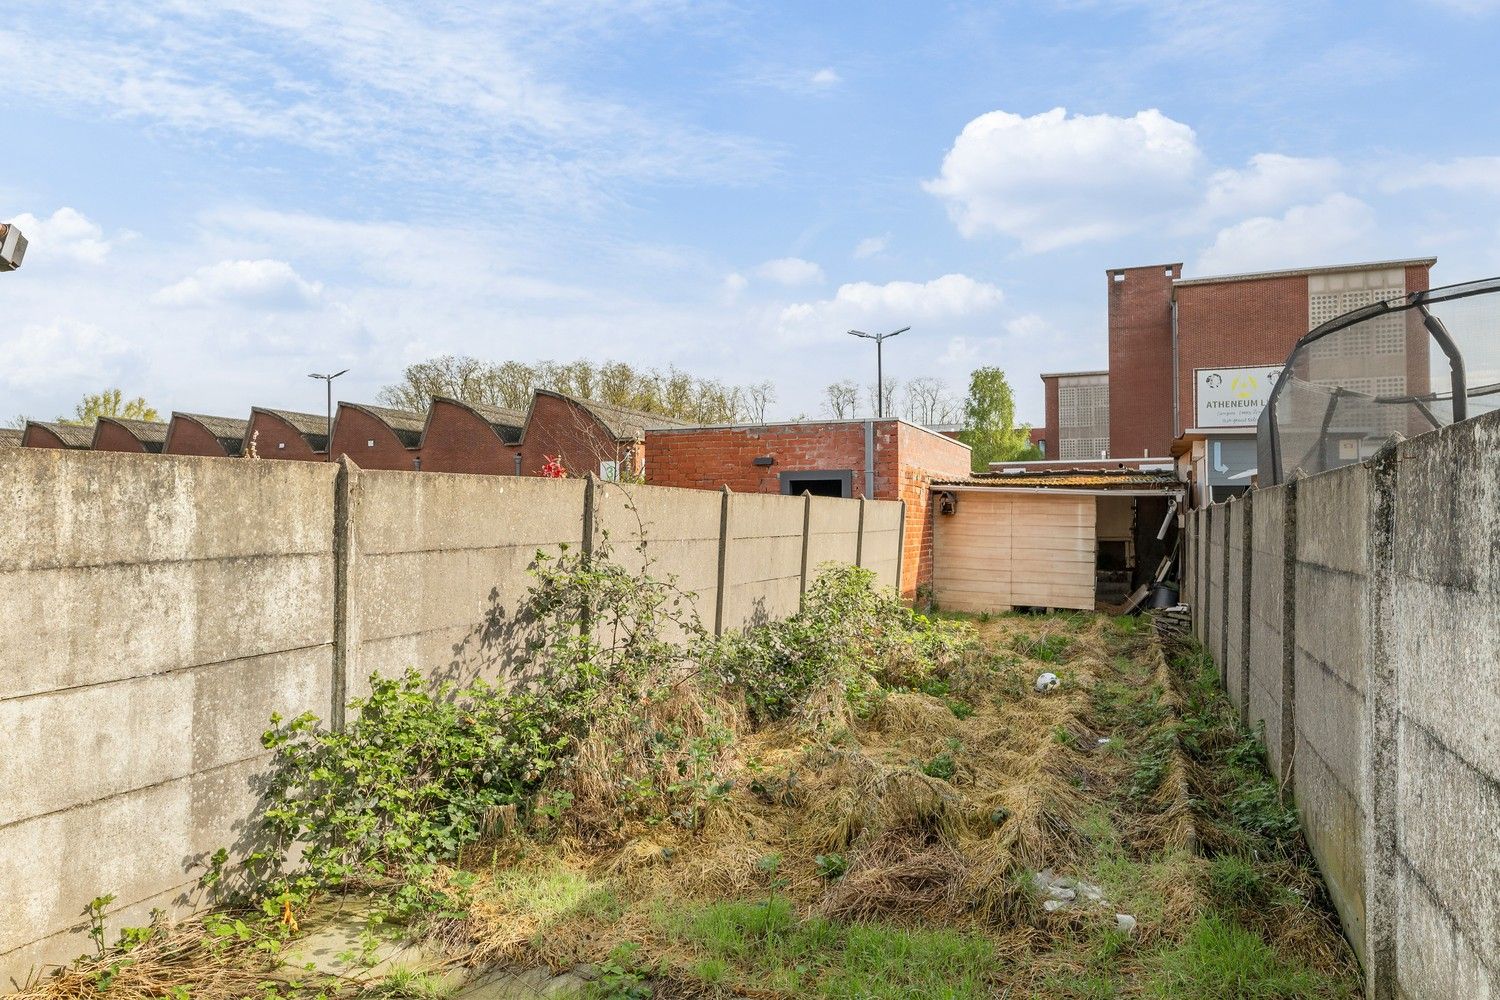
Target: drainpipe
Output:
[(1176, 375), (870, 459)]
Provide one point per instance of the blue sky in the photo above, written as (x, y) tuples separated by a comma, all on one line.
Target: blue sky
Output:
[(225, 196)]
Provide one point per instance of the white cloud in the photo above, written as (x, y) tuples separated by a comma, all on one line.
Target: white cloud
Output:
[(1269, 183), (825, 77), (1051, 180), (1464, 174), (473, 96), (791, 271), (893, 304), (734, 286), (269, 284), (63, 351), (1334, 230), (66, 234), (870, 246)]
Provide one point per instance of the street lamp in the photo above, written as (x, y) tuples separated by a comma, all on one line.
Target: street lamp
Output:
[(12, 247), (880, 339), (328, 381)]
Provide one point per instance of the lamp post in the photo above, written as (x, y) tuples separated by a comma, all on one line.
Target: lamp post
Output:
[(880, 339), (328, 381)]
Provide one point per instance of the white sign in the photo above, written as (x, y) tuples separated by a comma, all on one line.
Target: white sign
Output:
[(609, 472), (1233, 397)]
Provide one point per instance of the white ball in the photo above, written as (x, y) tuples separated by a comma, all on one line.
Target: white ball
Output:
[(1047, 681)]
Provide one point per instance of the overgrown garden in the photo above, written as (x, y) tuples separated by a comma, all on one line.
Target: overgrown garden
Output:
[(859, 801)]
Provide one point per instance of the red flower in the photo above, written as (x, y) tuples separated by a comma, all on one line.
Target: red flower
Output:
[(554, 469)]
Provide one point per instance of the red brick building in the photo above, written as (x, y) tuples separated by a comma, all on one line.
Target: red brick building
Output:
[(377, 437), (119, 434), (879, 459), (209, 437), (472, 437), (1192, 360), (42, 434), (285, 434), (588, 436)]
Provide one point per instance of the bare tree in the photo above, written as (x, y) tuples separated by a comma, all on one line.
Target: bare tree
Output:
[(890, 388), (927, 401), (757, 398), (841, 399)]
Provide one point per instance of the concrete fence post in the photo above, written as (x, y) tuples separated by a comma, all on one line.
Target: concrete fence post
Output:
[(1247, 573), (1381, 748), (1288, 748), (586, 545), (346, 495), (1205, 546), (806, 537), (859, 544), (723, 554), (901, 550)]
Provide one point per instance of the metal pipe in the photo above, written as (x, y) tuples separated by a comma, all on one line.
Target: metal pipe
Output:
[(1455, 362)]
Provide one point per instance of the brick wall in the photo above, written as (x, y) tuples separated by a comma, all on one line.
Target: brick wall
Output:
[(275, 438), (186, 436), (459, 440), (712, 457), (36, 436), (1050, 436), (369, 441), (1140, 360), (922, 458), (1235, 323), (109, 436), (557, 427)]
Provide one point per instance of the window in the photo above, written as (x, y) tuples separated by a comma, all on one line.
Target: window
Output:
[(820, 483)]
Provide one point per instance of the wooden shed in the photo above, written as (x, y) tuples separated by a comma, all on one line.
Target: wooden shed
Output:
[(1051, 539)]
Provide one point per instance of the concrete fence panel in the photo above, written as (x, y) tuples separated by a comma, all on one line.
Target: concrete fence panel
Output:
[(672, 534), (1267, 552), (833, 534), (1329, 683), (1444, 635), (157, 611), (440, 565), (880, 546), (1213, 607), (762, 558), (1234, 601)]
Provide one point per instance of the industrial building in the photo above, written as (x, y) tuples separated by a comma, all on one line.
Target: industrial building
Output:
[(1192, 362)]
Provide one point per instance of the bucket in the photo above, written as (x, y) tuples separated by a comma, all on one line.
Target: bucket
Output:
[(1164, 596)]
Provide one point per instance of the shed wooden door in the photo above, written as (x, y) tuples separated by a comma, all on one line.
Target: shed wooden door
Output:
[(1003, 550)]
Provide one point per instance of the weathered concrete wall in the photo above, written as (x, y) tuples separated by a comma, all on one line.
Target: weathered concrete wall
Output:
[(1234, 598), (1374, 665), (1213, 608), (159, 609), (763, 557), (1329, 681), (438, 566), (1267, 551), (1444, 643), (881, 550)]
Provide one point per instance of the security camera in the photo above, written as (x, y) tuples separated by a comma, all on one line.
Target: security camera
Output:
[(12, 247)]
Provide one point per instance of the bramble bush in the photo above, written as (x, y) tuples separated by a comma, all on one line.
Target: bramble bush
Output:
[(848, 632)]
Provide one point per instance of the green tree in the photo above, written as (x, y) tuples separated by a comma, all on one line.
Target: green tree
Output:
[(110, 403), (990, 421)]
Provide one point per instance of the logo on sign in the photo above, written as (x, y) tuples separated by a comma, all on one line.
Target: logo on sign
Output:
[(1233, 397)]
